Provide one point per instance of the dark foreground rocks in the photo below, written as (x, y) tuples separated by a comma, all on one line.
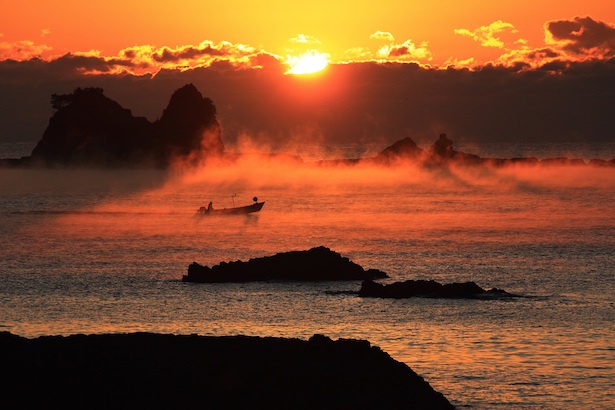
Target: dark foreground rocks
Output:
[(430, 289), (142, 370), (316, 264)]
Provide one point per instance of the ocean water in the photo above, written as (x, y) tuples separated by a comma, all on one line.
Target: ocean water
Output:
[(94, 251)]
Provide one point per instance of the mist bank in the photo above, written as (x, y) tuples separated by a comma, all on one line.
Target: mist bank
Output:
[(89, 129)]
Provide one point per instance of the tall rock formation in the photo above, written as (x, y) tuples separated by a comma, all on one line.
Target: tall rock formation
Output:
[(89, 129), (188, 127)]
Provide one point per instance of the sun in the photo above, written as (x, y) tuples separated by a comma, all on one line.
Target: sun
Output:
[(307, 63)]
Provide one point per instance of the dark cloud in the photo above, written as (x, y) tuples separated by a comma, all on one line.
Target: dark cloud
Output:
[(543, 54), (399, 51), (583, 35), (166, 55), (88, 64), (559, 101)]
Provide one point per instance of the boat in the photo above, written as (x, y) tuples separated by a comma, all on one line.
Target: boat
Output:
[(240, 210)]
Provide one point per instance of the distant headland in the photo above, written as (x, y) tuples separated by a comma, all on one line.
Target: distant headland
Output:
[(88, 129)]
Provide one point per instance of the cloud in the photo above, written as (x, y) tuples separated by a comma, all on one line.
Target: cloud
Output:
[(382, 35), (358, 54), (22, 50), (303, 39), (88, 63), (487, 36), (407, 50), (169, 55), (154, 59), (582, 36), (144, 59), (567, 41)]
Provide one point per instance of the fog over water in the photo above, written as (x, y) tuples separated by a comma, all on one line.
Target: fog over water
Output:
[(92, 251)]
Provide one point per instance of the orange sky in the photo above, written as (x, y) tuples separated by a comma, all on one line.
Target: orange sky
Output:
[(436, 33)]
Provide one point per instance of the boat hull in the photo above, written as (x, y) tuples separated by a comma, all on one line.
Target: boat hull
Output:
[(241, 210)]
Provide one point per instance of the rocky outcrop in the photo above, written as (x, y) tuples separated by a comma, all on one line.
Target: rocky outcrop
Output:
[(441, 153), (89, 129), (316, 264), (403, 149), (188, 126), (155, 371), (442, 148), (429, 289)]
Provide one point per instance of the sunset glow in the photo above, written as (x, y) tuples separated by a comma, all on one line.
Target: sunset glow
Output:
[(418, 144), (308, 63)]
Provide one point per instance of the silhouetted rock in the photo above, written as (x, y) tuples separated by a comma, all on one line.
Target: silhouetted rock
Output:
[(188, 127), (89, 129), (442, 152), (429, 289), (442, 148), (316, 264), (401, 150), (153, 371)]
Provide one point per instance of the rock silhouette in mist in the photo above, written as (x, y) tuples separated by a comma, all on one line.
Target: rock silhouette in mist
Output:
[(429, 289), (89, 129), (316, 264), (153, 371), (404, 149), (443, 148), (188, 126), (441, 153)]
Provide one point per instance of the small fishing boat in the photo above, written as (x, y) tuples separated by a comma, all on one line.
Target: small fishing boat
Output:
[(240, 210)]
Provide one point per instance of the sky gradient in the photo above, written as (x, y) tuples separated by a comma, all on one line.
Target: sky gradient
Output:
[(484, 70), (449, 30)]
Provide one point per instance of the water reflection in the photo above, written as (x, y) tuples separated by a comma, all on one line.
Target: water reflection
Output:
[(110, 260)]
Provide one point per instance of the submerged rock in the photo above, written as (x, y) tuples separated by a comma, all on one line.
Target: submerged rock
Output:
[(153, 371), (316, 264), (429, 289)]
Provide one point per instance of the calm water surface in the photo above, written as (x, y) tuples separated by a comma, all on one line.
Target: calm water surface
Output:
[(104, 251)]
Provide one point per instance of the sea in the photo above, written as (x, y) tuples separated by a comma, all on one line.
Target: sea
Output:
[(104, 251)]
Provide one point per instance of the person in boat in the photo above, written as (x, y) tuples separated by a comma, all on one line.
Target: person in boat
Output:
[(210, 207)]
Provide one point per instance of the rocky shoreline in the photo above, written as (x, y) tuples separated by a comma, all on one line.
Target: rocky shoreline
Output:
[(146, 370)]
